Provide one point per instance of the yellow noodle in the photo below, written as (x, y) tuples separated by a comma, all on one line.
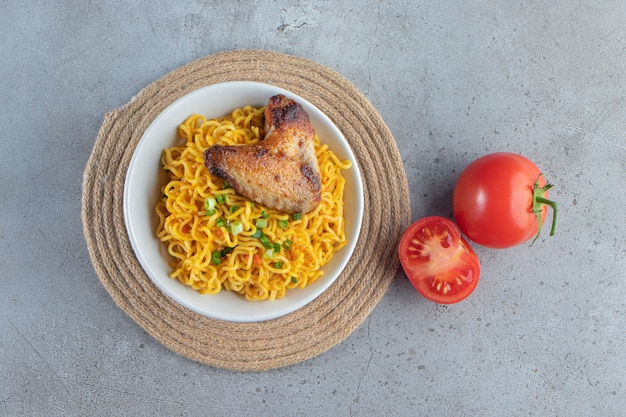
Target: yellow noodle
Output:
[(193, 235)]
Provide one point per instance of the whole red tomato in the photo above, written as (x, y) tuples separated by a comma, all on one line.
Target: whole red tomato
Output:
[(440, 264), (501, 200)]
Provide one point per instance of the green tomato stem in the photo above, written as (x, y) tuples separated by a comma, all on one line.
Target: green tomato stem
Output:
[(539, 201)]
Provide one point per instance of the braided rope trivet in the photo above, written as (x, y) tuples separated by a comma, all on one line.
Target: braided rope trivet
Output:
[(304, 333)]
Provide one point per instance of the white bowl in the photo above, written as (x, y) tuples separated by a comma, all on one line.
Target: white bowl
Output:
[(142, 190)]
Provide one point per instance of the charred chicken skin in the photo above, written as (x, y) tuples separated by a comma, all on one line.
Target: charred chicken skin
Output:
[(281, 171)]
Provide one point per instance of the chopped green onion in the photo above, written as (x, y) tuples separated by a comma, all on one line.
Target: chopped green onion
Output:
[(209, 204), (225, 185), (236, 227), (269, 254), (221, 198), (294, 280), (220, 223), (278, 265), (296, 216), (266, 242), (287, 244), (208, 213), (265, 215), (283, 224), (216, 257), (227, 250), (234, 208), (260, 223), (276, 247), (257, 234)]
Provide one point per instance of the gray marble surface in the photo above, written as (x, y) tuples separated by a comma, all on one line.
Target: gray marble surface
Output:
[(543, 335)]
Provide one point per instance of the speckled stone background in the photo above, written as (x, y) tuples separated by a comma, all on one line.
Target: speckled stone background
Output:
[(543, 334)]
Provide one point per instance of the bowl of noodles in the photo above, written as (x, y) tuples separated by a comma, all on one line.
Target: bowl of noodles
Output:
[(216, 252)]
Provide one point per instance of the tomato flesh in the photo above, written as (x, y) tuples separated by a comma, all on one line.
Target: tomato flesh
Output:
[(493, 200), (439, 263)]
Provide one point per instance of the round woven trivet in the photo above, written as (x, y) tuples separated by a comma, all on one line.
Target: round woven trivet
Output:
[(306, 332)]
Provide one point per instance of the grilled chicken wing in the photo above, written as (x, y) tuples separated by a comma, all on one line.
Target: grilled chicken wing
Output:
[(280, 171)]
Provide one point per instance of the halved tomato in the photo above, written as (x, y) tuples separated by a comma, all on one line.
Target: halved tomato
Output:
[(440, 264)]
